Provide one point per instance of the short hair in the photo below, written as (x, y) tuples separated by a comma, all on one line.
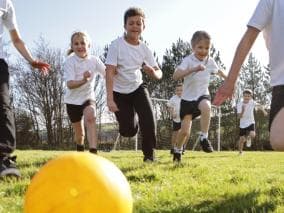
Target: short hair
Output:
[(133, 11), (179, 85), (247, 91), (198, 36)]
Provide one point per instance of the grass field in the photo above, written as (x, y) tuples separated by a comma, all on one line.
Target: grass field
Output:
[(216, 182)]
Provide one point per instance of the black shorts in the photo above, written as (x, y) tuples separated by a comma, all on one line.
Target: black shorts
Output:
[(191, 107), (176, 126), (247, 130), (277, 102), (75, 112)]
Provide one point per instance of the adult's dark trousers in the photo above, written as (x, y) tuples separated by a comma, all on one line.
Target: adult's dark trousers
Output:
[(7, 124), (137, 102)]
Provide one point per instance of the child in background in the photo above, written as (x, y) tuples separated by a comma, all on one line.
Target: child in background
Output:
[(196, 69), (80, 71), (126, 92), (245, 110), (267, 18), (174, 108)]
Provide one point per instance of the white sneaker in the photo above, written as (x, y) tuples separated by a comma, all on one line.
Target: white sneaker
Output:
[(248, 143)]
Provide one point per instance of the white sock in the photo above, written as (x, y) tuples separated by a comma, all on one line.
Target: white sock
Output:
[(177, 150), (203, 135)]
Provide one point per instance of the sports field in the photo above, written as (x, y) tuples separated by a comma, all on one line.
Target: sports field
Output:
[(215, 182)]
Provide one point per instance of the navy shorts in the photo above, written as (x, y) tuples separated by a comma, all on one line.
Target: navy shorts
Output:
[(277, 102), (75, 112), (247, 130), (191, 107)]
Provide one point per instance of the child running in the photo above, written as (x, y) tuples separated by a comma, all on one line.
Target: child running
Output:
[(196, 69), (245, 110), (80, 71), (127, 95), (174, 108)]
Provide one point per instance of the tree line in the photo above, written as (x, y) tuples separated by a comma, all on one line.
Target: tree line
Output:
[(42, 122)]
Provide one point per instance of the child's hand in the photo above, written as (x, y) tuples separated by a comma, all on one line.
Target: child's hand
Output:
[(200, 67), (147, 69), (112, 106), (87, 74), (42, 66)]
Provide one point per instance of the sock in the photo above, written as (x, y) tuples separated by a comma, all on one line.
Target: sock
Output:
[(203, 135), (93, 150), (80, 148), (177, 150)]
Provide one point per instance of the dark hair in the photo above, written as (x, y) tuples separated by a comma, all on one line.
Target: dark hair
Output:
[(247, 91), (198, 36), (77, 33), (133, 11)]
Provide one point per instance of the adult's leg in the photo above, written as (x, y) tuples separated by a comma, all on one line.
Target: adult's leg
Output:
[(79, 132), (7, 124)]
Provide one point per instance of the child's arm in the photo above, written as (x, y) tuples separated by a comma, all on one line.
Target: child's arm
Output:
[(73, 84), (221, 74), (240, 114), (154, 72), (110, 73), (179, 73)]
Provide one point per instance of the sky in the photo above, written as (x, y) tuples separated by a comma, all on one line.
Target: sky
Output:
[(166, 22)]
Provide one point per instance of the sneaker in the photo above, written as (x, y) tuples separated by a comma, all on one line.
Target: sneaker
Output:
[(8, 167), (172, 151), (206, 145), (177, 157), (248, 143)]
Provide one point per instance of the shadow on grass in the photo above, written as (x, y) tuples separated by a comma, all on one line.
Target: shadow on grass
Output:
[(234, 204)]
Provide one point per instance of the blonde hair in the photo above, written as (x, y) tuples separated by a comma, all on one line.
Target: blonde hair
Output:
[(78, 33)]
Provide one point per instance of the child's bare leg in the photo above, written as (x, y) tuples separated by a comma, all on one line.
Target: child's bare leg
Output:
[(276, 131), (184, 132), (242, 141), (90, 123), (79, 132), (205, 108)]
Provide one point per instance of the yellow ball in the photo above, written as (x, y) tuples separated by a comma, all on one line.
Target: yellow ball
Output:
[(80, 183)]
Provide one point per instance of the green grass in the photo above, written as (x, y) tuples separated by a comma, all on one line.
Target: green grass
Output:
[(216, 182)]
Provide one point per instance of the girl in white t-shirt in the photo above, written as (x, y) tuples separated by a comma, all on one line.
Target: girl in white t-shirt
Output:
[(80, 71), (127, 95), (245, 110), (196, 69)]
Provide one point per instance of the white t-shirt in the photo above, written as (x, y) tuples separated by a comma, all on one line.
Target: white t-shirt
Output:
[(74, 69), (196, 84), (248, 117), (269, 18), (174, 103), (7, 19), (128, 59)]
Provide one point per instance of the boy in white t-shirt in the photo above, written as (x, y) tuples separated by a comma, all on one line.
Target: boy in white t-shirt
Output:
[(196, 69), (174, 108), (127, 95), (245, 110), (268, 18)]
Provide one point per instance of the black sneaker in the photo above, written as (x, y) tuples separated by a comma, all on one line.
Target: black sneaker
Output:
[(206, 145), (177, 157), (8, 167)]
